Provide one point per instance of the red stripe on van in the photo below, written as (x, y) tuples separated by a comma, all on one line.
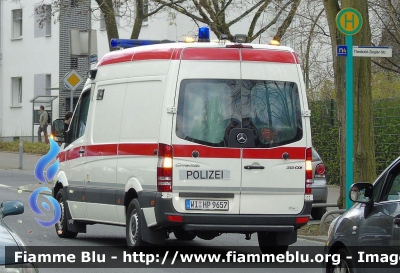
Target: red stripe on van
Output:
[(177, 54), (137, 149), (262, 55), (73, 153), (204, 151), (223, 54), (102, 150), (154, 54), (119, 56), (275, 153)]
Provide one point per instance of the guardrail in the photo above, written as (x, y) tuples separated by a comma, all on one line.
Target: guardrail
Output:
[(324, 205), (323, 219)]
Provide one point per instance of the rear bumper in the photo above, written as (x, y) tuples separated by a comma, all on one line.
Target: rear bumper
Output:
[(227, 223)]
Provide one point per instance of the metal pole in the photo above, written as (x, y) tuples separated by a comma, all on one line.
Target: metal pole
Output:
[(72, 101), (89, 34), (349, 120), (21, 152)]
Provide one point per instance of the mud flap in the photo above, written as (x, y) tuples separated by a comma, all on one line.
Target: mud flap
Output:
[(149, 235), (286, 238), (72, 225)]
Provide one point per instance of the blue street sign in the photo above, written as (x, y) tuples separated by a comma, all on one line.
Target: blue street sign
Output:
[(93, 58), (341, 51)]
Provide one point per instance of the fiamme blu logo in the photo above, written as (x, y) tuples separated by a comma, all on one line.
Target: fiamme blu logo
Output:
[(45, 175)]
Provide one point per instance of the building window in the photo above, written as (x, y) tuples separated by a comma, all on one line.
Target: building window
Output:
[(48, 19), (145, 10), (16, 92), (17, 24), (73, 3), (74, 63), (42, 21), (102, 21)]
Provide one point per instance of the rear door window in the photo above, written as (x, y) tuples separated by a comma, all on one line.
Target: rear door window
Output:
[(209, 108)]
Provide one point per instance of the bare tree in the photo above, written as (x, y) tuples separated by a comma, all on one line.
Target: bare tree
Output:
[(217, 14)]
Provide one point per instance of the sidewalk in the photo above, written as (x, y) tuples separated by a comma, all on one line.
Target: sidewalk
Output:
[(9, 160)]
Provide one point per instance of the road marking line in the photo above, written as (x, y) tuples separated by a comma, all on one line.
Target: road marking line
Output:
[(5, 186)]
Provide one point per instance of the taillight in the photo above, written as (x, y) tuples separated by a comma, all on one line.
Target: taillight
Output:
[(320, 170), (309, 176), (164, 168)]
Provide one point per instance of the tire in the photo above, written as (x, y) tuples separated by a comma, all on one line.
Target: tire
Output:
[(61, 226), (133, 222), (183, 235), (268, 245), (345, 266), (317, 213)]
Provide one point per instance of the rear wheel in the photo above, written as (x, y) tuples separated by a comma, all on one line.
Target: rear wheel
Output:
[(61, 225), (183, 235), (133, 230), (268, 243), (317, 213)]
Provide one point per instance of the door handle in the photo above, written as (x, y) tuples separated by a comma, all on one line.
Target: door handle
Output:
[(81, 151), (252, 167)]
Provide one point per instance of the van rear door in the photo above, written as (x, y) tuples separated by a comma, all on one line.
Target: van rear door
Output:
[(271, 107), (206, 172)]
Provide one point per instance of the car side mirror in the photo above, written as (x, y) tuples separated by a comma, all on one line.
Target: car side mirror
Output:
[(12, 208), (361, 192), (57, 130)]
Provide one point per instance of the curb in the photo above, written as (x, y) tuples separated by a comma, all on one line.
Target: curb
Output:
[(313, 238), (32, 187)]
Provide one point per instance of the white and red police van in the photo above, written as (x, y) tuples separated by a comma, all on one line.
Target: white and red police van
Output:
[(197, 139)]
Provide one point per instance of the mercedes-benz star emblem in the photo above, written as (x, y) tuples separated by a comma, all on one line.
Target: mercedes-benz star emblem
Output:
[(241, 138)]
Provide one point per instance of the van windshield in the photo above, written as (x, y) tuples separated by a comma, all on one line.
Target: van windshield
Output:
[(208, 109)]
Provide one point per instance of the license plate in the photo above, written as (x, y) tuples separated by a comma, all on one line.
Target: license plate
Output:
[(206, 204)]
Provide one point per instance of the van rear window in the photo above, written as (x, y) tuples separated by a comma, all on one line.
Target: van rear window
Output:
[(208, 109)]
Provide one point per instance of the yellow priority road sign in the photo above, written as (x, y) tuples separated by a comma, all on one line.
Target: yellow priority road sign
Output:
[(349, 21), (72, 80)]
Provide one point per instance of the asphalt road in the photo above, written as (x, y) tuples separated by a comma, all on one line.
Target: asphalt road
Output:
[(33, 234)]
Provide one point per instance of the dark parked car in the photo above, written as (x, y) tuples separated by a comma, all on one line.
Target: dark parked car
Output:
[(373, 221), (9, 238), (319, 187)]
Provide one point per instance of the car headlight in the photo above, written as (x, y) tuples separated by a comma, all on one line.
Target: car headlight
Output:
[(18, 268)]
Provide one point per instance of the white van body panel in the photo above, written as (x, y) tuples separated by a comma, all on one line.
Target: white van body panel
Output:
[(232, 117)]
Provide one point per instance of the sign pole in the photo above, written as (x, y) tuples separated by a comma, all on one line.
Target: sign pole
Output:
[(349, 22), (71, 102), (349, 120)]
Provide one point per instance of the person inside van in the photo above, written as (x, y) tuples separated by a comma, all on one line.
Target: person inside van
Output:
[(67, 121)]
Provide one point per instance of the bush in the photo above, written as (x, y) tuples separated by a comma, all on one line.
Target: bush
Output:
[(29, 147)]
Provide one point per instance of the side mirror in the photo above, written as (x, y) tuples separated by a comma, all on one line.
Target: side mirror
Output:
[(12, 208), (57, 130), (361, 192)]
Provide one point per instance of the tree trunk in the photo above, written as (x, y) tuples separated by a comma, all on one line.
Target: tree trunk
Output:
[(107, 8), (364, 151)]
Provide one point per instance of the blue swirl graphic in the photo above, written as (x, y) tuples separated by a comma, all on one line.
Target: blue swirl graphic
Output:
[(45, 160), (35, 208)]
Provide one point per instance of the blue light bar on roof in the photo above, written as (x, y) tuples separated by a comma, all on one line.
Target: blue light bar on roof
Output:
[(127, 43), (204, 34)]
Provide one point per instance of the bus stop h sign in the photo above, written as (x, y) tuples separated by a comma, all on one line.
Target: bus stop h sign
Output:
[(349, 21)]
